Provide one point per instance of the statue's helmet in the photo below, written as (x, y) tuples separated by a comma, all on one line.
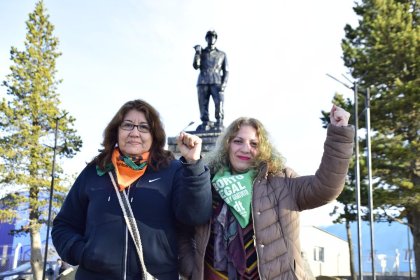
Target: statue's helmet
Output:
[(211, 33)]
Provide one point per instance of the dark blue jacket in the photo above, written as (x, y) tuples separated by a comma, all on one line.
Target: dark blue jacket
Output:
[(90, 231)]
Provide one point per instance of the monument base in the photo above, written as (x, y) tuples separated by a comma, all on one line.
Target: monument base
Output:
[(209, 141)]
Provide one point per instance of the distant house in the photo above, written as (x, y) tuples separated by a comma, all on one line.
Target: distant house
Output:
[(326, 254)]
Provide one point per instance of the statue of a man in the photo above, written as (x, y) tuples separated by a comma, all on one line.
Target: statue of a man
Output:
[(212, 80)]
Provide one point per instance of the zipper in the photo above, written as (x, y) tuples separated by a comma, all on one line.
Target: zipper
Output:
[(253, 224)]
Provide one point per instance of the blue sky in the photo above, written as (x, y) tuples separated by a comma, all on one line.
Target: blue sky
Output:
[(279, 53)]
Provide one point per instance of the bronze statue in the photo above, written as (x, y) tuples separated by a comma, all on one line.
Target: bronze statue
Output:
[(212, 81)]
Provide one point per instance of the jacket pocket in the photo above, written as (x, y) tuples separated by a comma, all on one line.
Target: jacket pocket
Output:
[(159, 248), (104, 248)]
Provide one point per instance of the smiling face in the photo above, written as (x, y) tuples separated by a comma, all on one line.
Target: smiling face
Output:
[(133, 143), (243, 149)]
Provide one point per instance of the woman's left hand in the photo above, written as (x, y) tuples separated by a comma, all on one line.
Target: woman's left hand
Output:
[(190, 146), (339, 116)]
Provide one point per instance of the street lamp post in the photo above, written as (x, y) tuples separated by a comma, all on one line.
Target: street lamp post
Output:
[(357, 171), (370, 196), (51, 194)]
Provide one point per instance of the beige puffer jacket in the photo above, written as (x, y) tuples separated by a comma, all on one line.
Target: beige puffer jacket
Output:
[(276, 203)]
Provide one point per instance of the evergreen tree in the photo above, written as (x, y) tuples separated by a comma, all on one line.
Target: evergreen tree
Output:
[(28, 117), (383, 54)]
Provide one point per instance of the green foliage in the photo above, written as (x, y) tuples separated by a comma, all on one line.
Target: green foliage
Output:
[(383, 54), (28, 118)]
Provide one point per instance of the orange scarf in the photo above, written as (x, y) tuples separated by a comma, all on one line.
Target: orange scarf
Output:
[(126, 175)]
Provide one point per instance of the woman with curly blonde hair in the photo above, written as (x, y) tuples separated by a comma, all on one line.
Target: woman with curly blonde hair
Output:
[(254, 229), (268, 154)]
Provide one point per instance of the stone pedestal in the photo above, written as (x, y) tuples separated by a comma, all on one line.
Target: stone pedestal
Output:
[(209, 141)]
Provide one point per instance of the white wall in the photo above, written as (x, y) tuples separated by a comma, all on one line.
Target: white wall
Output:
[(336, 252)]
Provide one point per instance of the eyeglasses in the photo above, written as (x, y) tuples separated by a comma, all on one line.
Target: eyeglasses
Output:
[(128, 126)]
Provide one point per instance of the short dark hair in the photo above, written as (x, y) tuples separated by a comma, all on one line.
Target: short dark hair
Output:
[(158, 155)]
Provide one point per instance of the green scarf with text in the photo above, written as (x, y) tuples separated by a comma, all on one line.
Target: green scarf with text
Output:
[(236, 191)]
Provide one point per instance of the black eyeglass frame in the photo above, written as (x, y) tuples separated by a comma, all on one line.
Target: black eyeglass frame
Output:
[(128, 126)]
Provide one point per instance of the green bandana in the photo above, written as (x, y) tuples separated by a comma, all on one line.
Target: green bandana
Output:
[(127, 160), (236, 191)]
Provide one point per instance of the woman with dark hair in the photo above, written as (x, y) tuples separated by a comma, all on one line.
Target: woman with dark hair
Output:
[(254, 230), (121, 218)]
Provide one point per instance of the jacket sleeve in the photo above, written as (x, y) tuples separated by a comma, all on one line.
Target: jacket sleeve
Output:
[(69, 224), (192, 202), (328, 182)]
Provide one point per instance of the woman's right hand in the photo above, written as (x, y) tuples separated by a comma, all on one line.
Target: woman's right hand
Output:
[(190, 146)]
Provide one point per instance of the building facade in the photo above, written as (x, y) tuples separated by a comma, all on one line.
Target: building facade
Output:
[(325, 253)]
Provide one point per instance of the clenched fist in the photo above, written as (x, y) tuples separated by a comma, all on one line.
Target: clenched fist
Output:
[(190, 146), (339, 116)]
